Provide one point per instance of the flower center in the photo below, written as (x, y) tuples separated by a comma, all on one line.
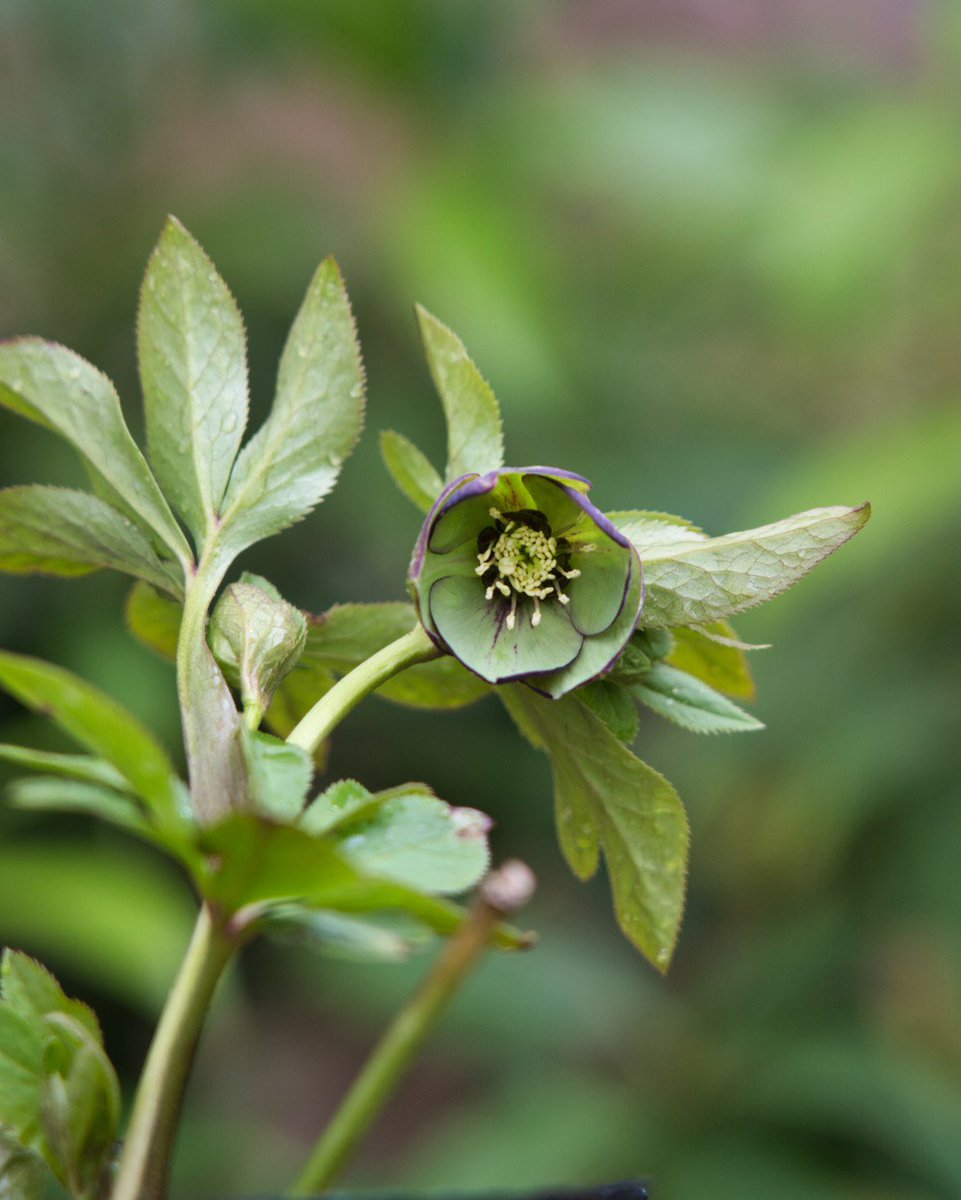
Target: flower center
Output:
[(525, 555)]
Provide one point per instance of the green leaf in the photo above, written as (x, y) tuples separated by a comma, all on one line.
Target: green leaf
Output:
[(72, 796), (58, 1092), (294, 459), (21, 1071), (691, 703), (406, 834), (606, 798), (58, 531), (350, 633), (279, 775), (59, 390), (475, 440), (193, 370), (410, 470), (255, 862), (697, 582), (81, 1112), (648, 530), (256, 638), (23, 1175), (721, 666), (30, 990), (410, 836), (101, 725), (342, 802), (153, 620), (386, 937), (82, 767), (612, 702)]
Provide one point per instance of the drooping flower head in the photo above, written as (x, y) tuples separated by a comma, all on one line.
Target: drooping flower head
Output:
[(519, 576)]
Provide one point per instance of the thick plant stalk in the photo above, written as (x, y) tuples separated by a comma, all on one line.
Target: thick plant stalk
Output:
[(144, 1169), (502, 893)]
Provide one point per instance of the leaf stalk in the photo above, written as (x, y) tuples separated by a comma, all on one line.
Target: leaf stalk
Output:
[(414, 647), (502, 893)]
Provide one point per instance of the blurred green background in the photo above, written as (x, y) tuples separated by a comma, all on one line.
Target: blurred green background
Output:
[(709, 254)]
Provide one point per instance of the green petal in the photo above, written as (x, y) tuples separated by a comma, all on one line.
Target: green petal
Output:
[(475, 630), (597, 595), (562, 512), (598, 652), (462, 522)]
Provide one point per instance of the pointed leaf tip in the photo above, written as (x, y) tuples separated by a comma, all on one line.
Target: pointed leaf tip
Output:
[(193, 367), (475, 440)]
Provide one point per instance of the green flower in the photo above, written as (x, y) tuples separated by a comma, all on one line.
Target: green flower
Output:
[(519, 576)]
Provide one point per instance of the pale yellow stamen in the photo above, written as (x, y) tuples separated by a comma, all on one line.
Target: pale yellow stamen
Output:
[(526, 563)]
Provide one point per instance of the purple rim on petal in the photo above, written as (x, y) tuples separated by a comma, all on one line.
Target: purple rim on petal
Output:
[(520, 549)]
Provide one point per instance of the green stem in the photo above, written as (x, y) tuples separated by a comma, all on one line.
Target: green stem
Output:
[(414, 647), (501, 894), (144, 1167)]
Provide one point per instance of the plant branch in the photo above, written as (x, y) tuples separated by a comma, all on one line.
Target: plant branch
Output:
[(414, 647), (144, 1168), (502, 893)]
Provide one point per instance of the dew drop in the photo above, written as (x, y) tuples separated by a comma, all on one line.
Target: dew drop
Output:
[(357, 391), (302, 351), (74, 372)]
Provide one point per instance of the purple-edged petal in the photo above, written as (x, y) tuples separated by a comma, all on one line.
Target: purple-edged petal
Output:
[(577, 482), (598, 593), (475, 630), (598, 654), (420, 549)]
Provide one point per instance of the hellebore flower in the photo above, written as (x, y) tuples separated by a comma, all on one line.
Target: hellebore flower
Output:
[(519, 576)]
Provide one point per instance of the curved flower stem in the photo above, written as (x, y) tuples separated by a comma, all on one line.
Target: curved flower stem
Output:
[(414, 647), (502, 893), (144, 1168)]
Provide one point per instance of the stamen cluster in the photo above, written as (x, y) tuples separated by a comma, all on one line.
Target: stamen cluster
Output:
[(525, 555)]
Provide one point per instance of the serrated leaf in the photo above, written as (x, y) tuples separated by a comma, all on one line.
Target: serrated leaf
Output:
[(294, 459), (153, 620), (406, 834), (193, 370), (475, 440), (615, 706), (605, 798), (59, 531), (29, 989), (82, 767), (339, 803), (255, 862), (49, 1044), (697, 582), (348, 634), (21, 1072), (410, 469), (101, 725), (421, 841), (256, 638), (721, 666), (691, 703), (385, 937), (650, 529), (279, 774), (59, 390)]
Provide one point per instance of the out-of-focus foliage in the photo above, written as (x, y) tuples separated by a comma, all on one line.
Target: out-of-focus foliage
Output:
[(733, 241)]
